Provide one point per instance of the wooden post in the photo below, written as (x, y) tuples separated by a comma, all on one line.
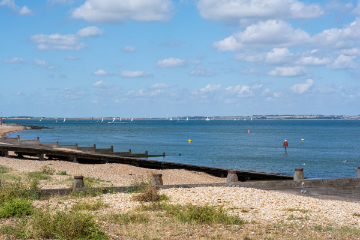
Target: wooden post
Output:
[(78, 183), (232, 176), (157, 180), (299, 174)]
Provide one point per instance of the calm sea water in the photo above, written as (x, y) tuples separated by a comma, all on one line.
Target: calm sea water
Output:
[(224, 144)]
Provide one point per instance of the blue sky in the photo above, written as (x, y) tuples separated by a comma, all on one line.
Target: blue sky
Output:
[(72, 58)]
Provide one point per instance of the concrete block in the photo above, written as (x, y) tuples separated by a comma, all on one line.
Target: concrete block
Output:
[(157, 180), (299, 174), (232, 177), (78, 183), (74, 159)]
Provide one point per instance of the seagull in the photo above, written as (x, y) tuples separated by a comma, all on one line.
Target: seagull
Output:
[(345, 161), (304, 164)]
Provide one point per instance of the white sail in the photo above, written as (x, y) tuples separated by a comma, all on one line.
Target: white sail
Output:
[(171, 119), (207, 119), (64, 119), (187, 119), (251, 119), (113, 119), (102, 119), (132, 119)]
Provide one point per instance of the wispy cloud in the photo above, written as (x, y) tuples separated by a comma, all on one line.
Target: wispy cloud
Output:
[(135, 74)]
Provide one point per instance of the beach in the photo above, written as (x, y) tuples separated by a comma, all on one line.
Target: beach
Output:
[(268, 214), (8, 129)]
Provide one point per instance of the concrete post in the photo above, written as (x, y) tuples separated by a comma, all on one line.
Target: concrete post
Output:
[(112, 148), (358, 173), (78, 183), (164, 154), (146, 153), (41, 157), (232, 177), (18, 139), (130, 151), (94, 146), (299, 174), (157, 180), (76, 146), (57, 144)]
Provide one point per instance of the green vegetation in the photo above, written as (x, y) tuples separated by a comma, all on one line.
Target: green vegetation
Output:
[(194, 214), (62, 173), (297, 210), (128, 218), (61, 225), (90, 206), (16, 207), (4, 169)]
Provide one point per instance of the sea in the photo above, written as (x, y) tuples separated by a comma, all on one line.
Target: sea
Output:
[(330, 148)]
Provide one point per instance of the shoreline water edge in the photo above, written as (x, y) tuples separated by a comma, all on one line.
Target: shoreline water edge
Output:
[(5, 130)]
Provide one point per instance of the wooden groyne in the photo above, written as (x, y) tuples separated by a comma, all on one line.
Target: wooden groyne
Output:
[(27, 127), (43, 151)]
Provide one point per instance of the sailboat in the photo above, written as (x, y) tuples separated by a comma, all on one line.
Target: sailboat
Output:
[(102, 119), (171, 119), (244, 119), (131, 119), (187, 119), (250, 119), (207, 119), (64, 119), (113, 119), (92, 119)]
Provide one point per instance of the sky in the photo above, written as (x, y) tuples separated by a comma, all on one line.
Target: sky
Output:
[(163, 58)]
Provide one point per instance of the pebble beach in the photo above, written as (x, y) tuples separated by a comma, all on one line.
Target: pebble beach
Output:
[(251, 205)]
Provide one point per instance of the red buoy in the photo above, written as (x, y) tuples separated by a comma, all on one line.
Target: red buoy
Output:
[(285, 145)]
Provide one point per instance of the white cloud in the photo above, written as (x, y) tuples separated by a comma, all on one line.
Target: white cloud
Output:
[(25, 11), (129, 49), (90, 32), (40, 62), (134, 74), (343, 62), (347, 37), (20, 93), (51, 67), (302, 87), (71, 94), (11, 4), (250, 57), (171, 62), (288, 71), (202, 72), (100, 84), (357, 9), (351, 52), (230, 10), (14, 60), (240, 91), (339, 6), (278, 55), (57, 42), (60, 2), (99, 72), (68, 57), (210, 88), (313, 61), (158, 86), (120, 11), (263, 34)]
